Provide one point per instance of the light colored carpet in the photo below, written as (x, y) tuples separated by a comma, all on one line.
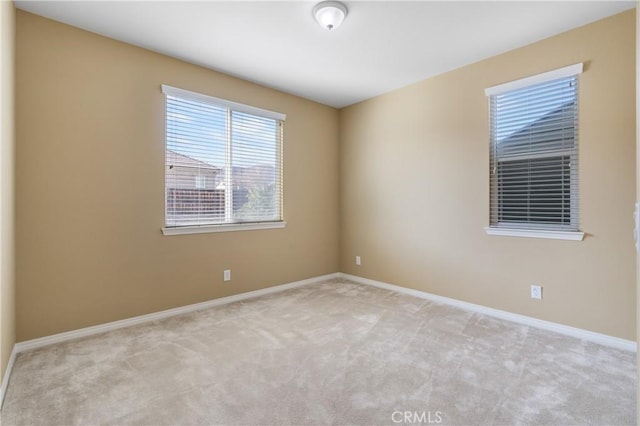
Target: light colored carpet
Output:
[(329, 353)]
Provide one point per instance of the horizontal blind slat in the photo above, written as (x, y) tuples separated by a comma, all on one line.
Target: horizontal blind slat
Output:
[(533, 157)]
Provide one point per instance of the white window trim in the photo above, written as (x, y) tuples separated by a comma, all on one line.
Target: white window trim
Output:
[(199, 97), (225, 227), (535, 233), (205, 229), (567, 71)]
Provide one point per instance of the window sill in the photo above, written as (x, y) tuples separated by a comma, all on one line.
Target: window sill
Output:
[(204, 229), (536, 233)]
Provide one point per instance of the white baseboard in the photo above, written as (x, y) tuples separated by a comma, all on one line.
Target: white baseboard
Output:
[(521, 319), (102, 328), (579, 333), (7, 375), (97, 329)]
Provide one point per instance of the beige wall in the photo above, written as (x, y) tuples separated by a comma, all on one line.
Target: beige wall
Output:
[(7, 246), (90, 186), (638, 198), (89, 176), (415, 193)]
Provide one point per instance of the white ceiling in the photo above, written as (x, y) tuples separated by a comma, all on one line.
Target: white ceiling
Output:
[(381, 46)]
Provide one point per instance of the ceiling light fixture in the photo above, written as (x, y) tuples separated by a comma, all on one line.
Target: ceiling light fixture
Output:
[(330, 14)]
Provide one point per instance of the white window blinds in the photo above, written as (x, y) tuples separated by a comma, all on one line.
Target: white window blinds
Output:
[(223, 161), (534, 152)]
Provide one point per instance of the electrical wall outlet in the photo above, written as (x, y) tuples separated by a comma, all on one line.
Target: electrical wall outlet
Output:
[(358, 260), (227, 275), (536, 292)]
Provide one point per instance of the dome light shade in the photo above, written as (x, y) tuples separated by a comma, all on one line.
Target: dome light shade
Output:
[(330, 14)]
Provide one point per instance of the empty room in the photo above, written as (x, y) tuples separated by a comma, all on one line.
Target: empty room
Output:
[(318, 213)]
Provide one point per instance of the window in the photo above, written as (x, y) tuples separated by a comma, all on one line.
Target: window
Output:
[(201, 182), (534, 156), (223, 166)]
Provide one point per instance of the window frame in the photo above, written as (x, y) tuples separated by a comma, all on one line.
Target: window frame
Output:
[(235, 107), (521, 229)]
